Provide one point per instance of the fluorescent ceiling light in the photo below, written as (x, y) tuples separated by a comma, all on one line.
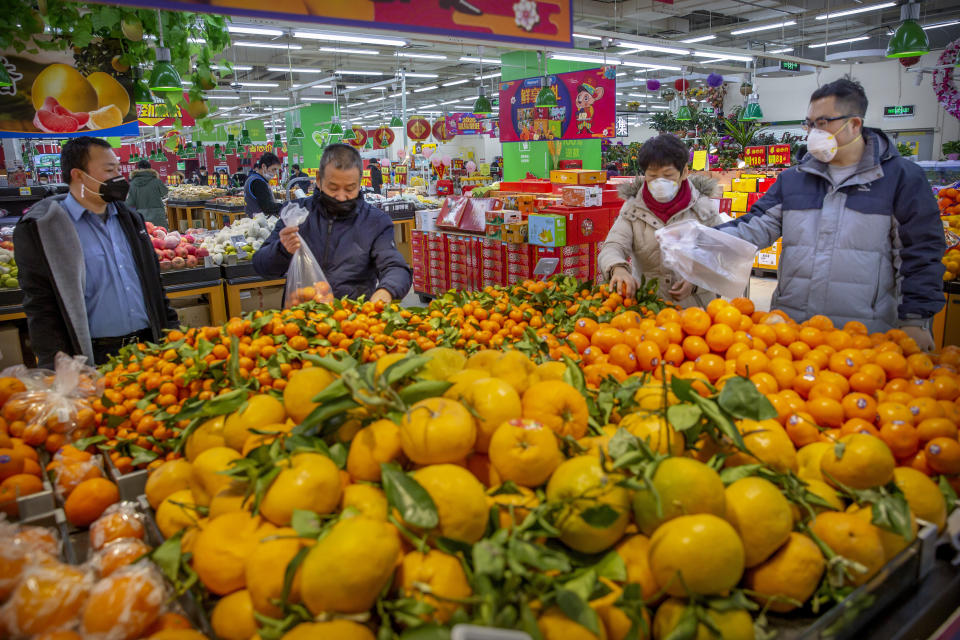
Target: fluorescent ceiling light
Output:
[(644, 65), (372, 100), (830, 44), (850, 12), (359, 52), (410, 74), (430, 88), (310, 99), (259, 84), (342, 37), (712, 60), (458, 101), (657, 106), (253, 31), (427, 106), (211, 97), (698, 39), (421, 56), (766, 27), (231, 93), (622, 73), (639, 95), (268, 45), (454, 82), (237, 67), (584, 36), (294, 69), (479, 60), (570, 57), (196, 41), (942, 24), (652, 47), (726, 56), (396, 95), (347, 72), (784, 50), (275, 98), (488, 76)]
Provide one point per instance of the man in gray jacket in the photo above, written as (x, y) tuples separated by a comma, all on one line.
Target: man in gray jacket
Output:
[(862, 237)]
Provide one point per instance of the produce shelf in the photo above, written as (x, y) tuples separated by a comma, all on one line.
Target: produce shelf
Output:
[(11, 297), (185, 276)]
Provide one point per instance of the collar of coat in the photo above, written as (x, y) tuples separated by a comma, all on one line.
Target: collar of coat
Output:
[(877, 149)]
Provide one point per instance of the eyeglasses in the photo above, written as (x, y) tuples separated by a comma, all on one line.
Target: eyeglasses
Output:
[(820, 123)]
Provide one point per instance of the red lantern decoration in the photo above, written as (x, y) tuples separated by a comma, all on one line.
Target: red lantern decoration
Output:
[(681, 85), (383, 137), (418, 129), (909, 62), (361, 137), (441, 132)]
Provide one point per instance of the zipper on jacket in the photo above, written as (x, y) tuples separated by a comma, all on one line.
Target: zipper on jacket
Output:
[(326, 248)]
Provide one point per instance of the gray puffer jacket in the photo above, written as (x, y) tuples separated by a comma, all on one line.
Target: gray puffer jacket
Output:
[(632, 237), (867, 249)]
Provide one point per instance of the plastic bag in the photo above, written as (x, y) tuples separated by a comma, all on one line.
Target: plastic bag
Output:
[(305, 279), (707, 257), (120, 520)]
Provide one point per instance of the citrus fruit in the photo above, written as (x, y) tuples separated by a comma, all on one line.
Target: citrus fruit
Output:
[(943, 455), (232, 617), (437, 430), (118, 521), (514, 368), (685, 487), (735, 624), (557, 405), (525, 452), (222, 548), (461, 380), (853, 538), (373, 445), (923, 496), (109, 93), (310, 481), (177, 511), (554, 624), (808, 460), (768, 442), (346, 570), (169, 477), (105, 117), (67, 86), (513, 508), (206, 477), (48, 597), (761, 515), (893, 543), (339, 629), (581, 484), (444, 362), (444, 577), (859, 461), (634, 551), (460, 500), (793, 571), (123, 605), (702, 549), (89, 500), (303, 386), (207, 436), (261, 410), (370, 501), (653, 429), (493, 401), (119, 553)]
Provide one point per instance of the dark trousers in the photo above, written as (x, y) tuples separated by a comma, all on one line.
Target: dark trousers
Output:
[(103, 348)]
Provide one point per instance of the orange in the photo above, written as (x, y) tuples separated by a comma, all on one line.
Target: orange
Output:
[(764, 332), (946, 387), (586, 326), (9, 386), (943, 455), (525, 452), (69, 474), (119, 553), (673, 354), (648, 356), (117, 522), (89, 500), (839, 340), (729, 316), (859, 405), (29, 612), (924, 408), (827, 412), (893, 364), (846, 361), (744, 305), (802, 429), (605, 337), (894, 412), (714, 306), (668, 315), (674, 332), (695, 321), (752, 361), (765, 383), (854, 538), (557, 405), (901, 438), (711, 365), (859, 425), (811, 336), (719, 337), (783, 371), (626, 320), (820, 322), (920, 365), (658, 335), (623, 356), (786, 334), (824, 389), (11, 463), (931, 428), (123, 605)]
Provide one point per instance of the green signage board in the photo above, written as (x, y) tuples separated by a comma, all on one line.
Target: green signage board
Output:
[(256, 128), (786, 65), (315, 121), (899, 111)]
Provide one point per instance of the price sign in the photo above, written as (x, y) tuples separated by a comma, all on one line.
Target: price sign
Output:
[(779, 155), (24, 191), (238, 241), (755, 156)]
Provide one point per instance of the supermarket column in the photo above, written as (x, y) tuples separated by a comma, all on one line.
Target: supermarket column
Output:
[(352, 239), (862, 237), (88, 270)]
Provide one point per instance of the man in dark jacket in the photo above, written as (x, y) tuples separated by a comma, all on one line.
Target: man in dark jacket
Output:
[(862, 237), (376, 177), (87, 267), (147, 192), (352, 239)]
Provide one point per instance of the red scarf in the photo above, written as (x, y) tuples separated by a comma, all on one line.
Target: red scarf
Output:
[(666, 210)]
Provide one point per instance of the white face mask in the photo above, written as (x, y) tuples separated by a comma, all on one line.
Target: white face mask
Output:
[(663, 190), (823, 145)]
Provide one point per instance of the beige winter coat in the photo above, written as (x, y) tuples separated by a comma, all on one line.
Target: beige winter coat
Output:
[(631, 242)]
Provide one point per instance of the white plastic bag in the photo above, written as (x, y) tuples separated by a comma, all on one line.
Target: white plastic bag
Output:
[(305, 279), (706, 257)]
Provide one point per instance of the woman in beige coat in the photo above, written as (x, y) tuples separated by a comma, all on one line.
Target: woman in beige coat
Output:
[(662, 196)]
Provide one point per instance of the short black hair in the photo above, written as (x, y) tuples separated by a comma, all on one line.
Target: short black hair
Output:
[(848, 93), (342, 156), (143, 164), (296, 167), (76, 154), (267, 160), (662, 151)]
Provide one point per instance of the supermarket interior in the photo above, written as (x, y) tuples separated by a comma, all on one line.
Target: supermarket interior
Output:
[(480, 320)]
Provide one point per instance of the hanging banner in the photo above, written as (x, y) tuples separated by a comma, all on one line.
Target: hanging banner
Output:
[(383, 138), (159, 114), (586, 107), (778, 155), (509, 21), (442, 132), (755, 156), (418, 128), (55, 100), (465, 124), (361, 137)]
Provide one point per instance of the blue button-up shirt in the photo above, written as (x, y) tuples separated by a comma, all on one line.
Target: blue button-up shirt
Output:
[(114, 297)]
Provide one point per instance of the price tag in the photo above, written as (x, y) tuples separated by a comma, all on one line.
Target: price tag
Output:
[(778, 154), (24, 191), (755, 156), (238, 242), (700, 160)]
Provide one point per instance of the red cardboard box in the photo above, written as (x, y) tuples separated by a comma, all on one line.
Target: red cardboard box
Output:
[(535, 186), (612, 197), (764, 184), (752, 199)]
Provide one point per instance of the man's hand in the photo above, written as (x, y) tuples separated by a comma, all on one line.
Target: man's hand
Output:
[(290, 239), (921, 336), (623, 282), (381, 295), (681, 289)]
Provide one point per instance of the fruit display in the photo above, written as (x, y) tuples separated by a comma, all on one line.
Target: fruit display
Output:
[(254, 231), (8, 266), (227, 201), (176, 251), (949, 201), (549, 457), (192, 193)]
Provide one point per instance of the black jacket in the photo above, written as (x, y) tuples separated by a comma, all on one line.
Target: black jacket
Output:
[(376, 178), (54, 301)]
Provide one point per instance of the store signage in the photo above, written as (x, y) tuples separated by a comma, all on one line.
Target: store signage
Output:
[(708, 110), (161, 114), (383, 137), (786, 65), (755, 156), (418, 128), (586, 107), (361, 137), (778, 155), (899, 111), (621, 128), (465, 124), (540, 22)]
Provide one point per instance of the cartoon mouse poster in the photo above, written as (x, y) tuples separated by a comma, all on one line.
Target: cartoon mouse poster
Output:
[(586, 96)]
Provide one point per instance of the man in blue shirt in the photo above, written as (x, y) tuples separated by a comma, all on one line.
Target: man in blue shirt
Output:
[(87, 267)]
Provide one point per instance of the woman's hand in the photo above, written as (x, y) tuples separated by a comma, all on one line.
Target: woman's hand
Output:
[(623, 282), (681, 289), (290, 239)]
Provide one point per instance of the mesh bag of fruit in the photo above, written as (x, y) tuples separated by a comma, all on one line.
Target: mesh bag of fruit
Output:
[(305, 279)]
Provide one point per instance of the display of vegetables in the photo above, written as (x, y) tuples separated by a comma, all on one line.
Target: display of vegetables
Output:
[(8, 266), (254, 231)]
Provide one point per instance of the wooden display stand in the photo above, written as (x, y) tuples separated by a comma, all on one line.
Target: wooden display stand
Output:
[(946, 324), (233, 290), (213, 291), (224, 218), (403, 236), (181, 218)]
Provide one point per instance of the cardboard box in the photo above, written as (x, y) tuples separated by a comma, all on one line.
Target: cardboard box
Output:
[(744, 185), (198, 314), (512, 217), (738, 200), (534, 185), (494, 231), (10, 352), (578, 176), (547, 230), (579, 196), (427, 219), (526, 202), (516, 233)]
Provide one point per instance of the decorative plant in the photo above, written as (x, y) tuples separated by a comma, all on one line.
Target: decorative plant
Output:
[(664, 122), (950, 148), (905, 150), (744, 133)]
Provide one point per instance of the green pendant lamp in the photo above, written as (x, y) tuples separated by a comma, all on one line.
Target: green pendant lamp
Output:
[(752, 111), (908, 40), (546, 97), (684, 114), (369, 144), (349, 133), (231, 144), (140, 92), (336, 129), (277, 142), (5, 80), (216, 151), (245, 138), (164, 77), (395, 121), (483, 106), (198, 148)]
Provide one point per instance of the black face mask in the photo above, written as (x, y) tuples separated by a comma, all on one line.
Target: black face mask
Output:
[(336, 207), (113, 190)]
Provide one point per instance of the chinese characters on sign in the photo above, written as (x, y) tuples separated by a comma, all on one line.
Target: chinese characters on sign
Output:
[(779, 155), (755, 156), (620, 127)]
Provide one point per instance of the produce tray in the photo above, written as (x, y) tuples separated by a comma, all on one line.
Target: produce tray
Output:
[(240, 270), (11, 297), (226, 208), (951, 287), (186, 203), (186, 276)]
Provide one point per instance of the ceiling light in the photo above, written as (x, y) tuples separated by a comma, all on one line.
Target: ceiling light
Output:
[(454, 82), (430, 88), (488, 76), (638, 95), (253, 31), (196, 41), (359, 52), (698, 39), (784, 50), (410, 74), (164, 76), (657, 106), (237, 67), (644, 65), (372, 100), (275, 98), (294, 70), (941, 25), (766, 27), (421, 56), (218, 97), (259, 84), (569, 57), (457, 101), (345, 72), (652, 47), (712, 61), (395, 95), (726, 56), (316, 99), (584, 36), (342, 37), (427, 106), (622, 73), (268, 45), (850, 12), (834, 42), (482, 104), (479, 60)]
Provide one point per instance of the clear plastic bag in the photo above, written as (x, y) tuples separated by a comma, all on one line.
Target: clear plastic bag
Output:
[(706, 257), (305, 279)]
